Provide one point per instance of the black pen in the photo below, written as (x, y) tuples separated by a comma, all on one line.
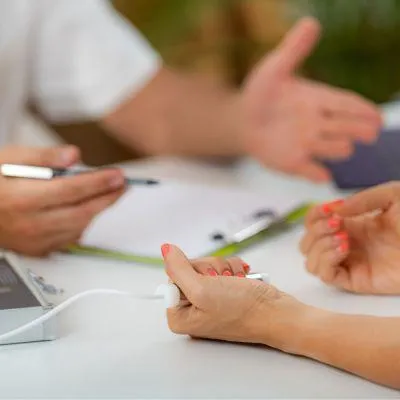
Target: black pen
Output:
[(45, 173)]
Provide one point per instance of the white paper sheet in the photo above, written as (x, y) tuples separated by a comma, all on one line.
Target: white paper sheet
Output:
[(183, 214)]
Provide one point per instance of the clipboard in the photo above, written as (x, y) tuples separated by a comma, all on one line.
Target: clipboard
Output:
[(202, 220), (280, 226)]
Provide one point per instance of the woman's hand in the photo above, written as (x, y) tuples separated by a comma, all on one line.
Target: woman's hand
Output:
[(355, 245), (242, 310), (37, 217), (227, 307)]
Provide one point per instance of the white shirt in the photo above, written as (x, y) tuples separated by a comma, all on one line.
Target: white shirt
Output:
[(75, 59)]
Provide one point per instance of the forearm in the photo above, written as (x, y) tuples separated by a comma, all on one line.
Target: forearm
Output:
[(176, 114), (364, 345)]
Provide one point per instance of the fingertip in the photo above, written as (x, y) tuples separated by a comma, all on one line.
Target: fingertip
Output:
[(165, 249), (237, 265), (342, 244), (370, 134), (374, 115), (246, 267), (344, 248), (321, 177), (69, 155), (117, 181), (296, 46), (311, 23), (330, 207), (173, 253), (334, 223), (314, 172)]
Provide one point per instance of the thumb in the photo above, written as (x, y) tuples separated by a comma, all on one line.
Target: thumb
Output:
[(56, 157), (181, 271), (381, 198), (313, 171), (296, 46)]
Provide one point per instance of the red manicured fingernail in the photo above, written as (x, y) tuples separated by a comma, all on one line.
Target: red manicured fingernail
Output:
[(246, 267), (344, 247), (165, 248), (334, 223), (342, 237), (212, 272), (241, 275), (328, 208), (227, 273)]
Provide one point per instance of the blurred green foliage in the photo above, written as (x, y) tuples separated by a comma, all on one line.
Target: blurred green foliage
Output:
[(165, 22), (360, 48)]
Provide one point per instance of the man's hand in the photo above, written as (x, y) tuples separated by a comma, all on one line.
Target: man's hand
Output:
[(37, 217), (289, 123), (286, 122)]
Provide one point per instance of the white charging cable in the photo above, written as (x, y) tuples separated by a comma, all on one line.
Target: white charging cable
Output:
[(170, 293)]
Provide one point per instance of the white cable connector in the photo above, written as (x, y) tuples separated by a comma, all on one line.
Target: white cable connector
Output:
[(170, 293)]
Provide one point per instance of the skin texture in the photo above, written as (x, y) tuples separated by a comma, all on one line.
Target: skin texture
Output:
[(284, 121), (37, 217), (242, 310), (355, 245)]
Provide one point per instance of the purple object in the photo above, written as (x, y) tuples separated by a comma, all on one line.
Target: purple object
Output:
[(370, 165)]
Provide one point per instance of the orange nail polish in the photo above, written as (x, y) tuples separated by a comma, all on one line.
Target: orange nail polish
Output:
[(212, 272), (165, 248), (342, 237), (227, 273), (246, 268), (241, 275), (328, 208), (334, 223)]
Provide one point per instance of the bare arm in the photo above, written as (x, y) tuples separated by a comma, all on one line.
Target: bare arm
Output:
[(178, 114), (363, 345), (283, 121), (244, 310)]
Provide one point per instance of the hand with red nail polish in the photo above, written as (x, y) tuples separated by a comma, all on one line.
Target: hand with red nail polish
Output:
[(223, 304), (355, 245), (216, 266), (249, 311)]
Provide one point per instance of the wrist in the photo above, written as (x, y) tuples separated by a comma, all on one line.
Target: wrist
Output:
[(234, 122), (293, 327)]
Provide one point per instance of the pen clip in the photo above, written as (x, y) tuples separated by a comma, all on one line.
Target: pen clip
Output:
[(258, 222)]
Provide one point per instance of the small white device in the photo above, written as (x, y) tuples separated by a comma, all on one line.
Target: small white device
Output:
[(21, 303)]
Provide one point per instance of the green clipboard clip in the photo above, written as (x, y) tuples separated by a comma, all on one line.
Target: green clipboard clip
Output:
[(283, 224)]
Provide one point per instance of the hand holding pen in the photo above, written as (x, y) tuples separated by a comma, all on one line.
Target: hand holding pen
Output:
[(41, 216)]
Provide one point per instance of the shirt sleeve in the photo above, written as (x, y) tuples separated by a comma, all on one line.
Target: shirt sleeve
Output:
[(86, 59)]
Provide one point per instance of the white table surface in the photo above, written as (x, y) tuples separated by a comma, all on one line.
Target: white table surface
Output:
[(113, 348)]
